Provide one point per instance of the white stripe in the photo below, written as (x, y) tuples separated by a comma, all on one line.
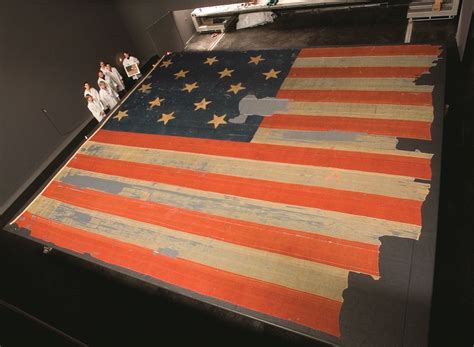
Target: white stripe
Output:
[(392, 61), (373, 111), (356, 83)]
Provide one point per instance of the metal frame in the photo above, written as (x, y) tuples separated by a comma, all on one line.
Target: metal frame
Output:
[(230, 12), (424, 10), (201, 26)]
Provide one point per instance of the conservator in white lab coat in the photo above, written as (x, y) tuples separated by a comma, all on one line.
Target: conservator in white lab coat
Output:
[(108, 97), (130, 60), (115, 76), (102, 67), (107, 79), (96, 108), (88, 90)]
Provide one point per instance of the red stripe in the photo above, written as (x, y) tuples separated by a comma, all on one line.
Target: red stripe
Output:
[(370, 51), (369, 162), (346, 254), (358, 97), (387, 127), (363, 204), (306, 309), (367, 72)]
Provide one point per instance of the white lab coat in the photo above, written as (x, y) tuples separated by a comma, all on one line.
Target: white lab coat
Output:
[(92, 91), (96, 109), (117, 78), (130, 61), (108, 80), (109, 98)]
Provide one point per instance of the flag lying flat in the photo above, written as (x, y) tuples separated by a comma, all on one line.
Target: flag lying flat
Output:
[(255, 180)]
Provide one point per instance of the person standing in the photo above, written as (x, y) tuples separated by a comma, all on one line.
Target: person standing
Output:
[(115, 76), (102, 67), (96, 108), (107, 79), (130, 60), (108, 96), (88, 90)]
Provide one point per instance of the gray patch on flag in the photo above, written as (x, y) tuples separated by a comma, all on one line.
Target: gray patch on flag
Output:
[(313, 136), (250, 105), (169, 252), (100, 184), (67, 212)]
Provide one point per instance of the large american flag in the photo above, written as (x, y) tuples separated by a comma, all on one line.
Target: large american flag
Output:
[(267, 217)]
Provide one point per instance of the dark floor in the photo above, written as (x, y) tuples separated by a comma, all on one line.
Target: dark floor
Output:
[(99, 307)]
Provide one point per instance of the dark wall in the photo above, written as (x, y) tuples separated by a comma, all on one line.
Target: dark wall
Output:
[(179, 28), (184, 23), (48, 49), (172, 41), (138, 15)]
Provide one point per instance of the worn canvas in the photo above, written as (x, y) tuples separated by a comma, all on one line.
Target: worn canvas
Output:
[(298, 187)]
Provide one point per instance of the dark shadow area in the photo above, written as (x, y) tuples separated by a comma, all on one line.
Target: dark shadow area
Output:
[(21, 329), (105, 308), (45, 175), (453, 297), (397, 304)]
